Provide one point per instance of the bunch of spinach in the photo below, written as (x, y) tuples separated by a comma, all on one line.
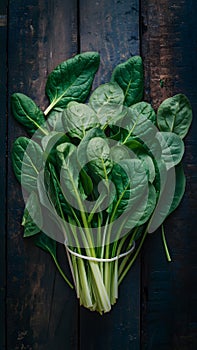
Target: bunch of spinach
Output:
[(100, 175)]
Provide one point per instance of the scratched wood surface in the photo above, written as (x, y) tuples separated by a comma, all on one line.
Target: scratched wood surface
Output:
[(169, 50), (157, 302), (3, 128)]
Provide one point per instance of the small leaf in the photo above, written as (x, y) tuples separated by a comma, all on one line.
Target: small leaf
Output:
[(175, 115), (129, 76), (32, 217), (78, 118), (71, 80), (28, 114), (27, 161), (172, 148)]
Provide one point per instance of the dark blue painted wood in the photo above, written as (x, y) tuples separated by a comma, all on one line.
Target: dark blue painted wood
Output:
[(170, 289), (3, 127)]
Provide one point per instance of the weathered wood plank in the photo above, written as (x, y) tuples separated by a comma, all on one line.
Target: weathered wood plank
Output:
[(169, 51), (3, 127), (42, 311), (111, 28)]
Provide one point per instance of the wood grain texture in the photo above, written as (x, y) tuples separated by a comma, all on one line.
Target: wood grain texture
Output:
[(170, 52), (3, 129), (112, 29), (39, 302)]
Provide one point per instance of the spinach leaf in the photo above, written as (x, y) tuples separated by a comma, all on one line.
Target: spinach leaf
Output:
[(32, 217), (78, 118), (129, 76), (28, 114), (107, 101), (172, 148), (27, 161), (175, 115), (82, 147), (98, 153), (136, 125), (143, 209), (71, 80), (130, 180), (54, 120), (69, 176)]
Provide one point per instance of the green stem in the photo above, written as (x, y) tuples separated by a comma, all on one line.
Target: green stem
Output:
[(61, 272), (134, 257), (165, 244)]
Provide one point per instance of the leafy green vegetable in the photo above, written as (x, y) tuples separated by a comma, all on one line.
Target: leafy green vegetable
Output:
[(27, 160), (71, 80), (100, 176), (175, 115), (28, 114), (172, 148), (78, 118), (32, 223), (129, 76)]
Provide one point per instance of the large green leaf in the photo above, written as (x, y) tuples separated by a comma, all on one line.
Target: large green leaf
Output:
[(172, 148), (130, 180), (78, 118), (32, 217), (28, 114), (72, 80), (27, 161), (107, 101), (175, 115), (143, 210), (129, 76)]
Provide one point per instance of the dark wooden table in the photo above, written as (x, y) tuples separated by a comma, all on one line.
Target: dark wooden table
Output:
[(156, 309)]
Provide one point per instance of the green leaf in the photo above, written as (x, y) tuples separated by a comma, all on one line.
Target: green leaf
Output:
[(136, 125), (175, 115), (78, 118), (54, 120), (71, 80), (32, 217), (144, 209), (172, 148), (67, 161), (131, 183), (82, 147), (46, 243), (98, 153), (86, 181), (107, 101), (28, 114), (129, 76), (179, 189), (49, 144), (27, 161), (144, 109)]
